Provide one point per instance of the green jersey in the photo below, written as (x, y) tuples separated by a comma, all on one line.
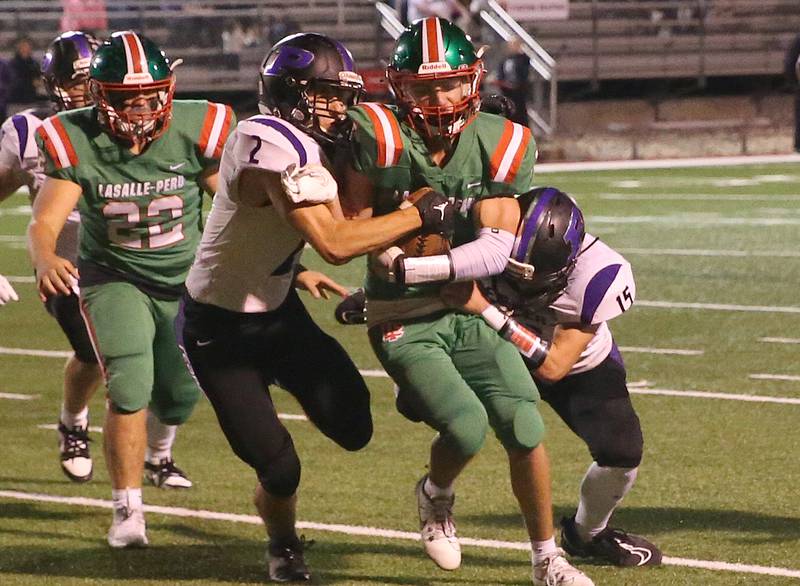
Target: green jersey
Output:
[(140, 214), (493, 156)]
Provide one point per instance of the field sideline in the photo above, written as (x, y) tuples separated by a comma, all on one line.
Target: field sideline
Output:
[(711, 349)]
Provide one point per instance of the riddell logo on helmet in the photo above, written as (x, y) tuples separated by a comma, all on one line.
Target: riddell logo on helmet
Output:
[(434, 67), (135, 78)]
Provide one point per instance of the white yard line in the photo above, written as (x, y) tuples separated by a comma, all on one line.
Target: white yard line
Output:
[(53, 427), (698, 197), (31, 352), (678, 351), (12, 238), (718, 306), (713, 395), (700, 252), (374, 373), (375, 531), (780, 340), (19, 279), (693, 220), (18, 396), (764, 376), (666, 163)]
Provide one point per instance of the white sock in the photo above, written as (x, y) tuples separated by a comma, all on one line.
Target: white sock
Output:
[(543, 549), (434, 491), (160, 438), (127, 497), (602, 490), (72, 420)]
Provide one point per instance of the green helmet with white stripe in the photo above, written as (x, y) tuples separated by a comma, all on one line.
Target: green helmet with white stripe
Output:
[(435, 73), (132, 83)]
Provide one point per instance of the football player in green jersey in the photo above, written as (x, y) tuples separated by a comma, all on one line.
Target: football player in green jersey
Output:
[(136, 165), (452, 370)]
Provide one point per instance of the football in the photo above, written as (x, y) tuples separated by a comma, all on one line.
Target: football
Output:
[(421, 244)]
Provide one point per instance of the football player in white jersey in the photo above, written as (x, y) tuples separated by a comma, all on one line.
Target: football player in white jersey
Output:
[(243, 327), (559, 289), (65, 70)]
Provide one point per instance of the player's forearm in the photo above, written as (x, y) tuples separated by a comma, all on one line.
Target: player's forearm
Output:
[(41, 241), (346, 239), (9, 184)]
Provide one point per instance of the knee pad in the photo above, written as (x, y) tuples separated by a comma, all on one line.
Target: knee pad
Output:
[(281, 476), (618, 452), (525, 431), (466, 433), (176, 410)]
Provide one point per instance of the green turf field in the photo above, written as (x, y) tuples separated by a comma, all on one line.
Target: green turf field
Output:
[(717, 264)]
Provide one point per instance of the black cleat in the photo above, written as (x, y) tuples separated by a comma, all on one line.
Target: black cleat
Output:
[(352, 310), (166, 474), (285, 561), (612, 545)]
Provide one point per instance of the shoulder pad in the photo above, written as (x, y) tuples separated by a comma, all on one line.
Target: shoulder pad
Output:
[(608, 293), (57, 144), (378, 133), (507, 157), (215, 130), (272, 144)]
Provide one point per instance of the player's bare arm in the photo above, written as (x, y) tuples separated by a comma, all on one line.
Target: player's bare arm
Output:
[(569, 341), (56, 199), (10, 182), (322, 225)]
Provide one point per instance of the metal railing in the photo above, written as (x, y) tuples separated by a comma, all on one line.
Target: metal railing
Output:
[(543, 109)]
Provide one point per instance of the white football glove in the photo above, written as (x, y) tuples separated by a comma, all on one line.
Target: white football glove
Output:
[(7, 292), (312, 183)]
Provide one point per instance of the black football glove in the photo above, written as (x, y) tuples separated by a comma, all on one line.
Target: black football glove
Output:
[(437, 213), (352, 310)]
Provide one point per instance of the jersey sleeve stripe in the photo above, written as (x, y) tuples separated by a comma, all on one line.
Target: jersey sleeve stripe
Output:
[(287, 133), (220, 118), (58, 144), (519, 154), (387, 134), (21, 125), (508, 156), (596, 290)]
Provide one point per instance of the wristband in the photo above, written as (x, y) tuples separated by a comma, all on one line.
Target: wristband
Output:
[(427, 269), (494, 317), (531, 346)]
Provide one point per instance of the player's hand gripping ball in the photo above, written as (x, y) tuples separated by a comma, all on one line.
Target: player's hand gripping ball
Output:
[(437, 216)]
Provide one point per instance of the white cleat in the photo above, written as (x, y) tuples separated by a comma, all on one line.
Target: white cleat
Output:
[(437, 529), (128, 528), (73, 447), (555, 570)]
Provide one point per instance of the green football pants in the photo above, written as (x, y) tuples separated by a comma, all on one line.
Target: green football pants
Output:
[(457, 375), (134, 335)]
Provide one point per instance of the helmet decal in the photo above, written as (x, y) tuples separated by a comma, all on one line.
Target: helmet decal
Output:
[(136, 60), (308, 79), (432, 47)]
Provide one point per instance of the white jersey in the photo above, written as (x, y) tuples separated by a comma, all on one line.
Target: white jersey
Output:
[(19, 155), (247, 256), (600, 288)]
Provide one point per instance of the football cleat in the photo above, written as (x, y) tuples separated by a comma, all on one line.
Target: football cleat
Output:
[(165, 474), (555, 570), (285, 562), (352, 310), (73, 445), (612, 545), (437, 528), (127, 528)]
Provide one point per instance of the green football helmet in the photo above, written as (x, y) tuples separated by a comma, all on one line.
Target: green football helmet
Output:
[(435, 73), (132, 84)]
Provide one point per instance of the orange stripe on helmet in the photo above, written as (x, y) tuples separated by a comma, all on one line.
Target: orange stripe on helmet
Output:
[(433, 39), (132, 49)]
